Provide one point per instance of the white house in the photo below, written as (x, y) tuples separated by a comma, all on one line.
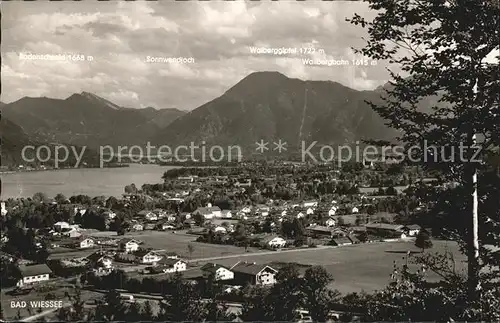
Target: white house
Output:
[(300, 215), (383, 229), (208, 212), (128, 245), (171, 265), (332, 212), (310, 204), (263, 210), (33, 274), (274, 242), (151, 217), (219, 272), (412, 230), (354, 210), (85, 243), (220, 229), (309, 211), (226, 214), (73, 233), (171, 218), (138, 227), (99, 260), (160, 213), (167, 226), (148, 257), (187, 179), (148, 215), (330, 222), (74, 227), (246, 209), (61, 225), (283, 213), (109, 214), (4, 210)]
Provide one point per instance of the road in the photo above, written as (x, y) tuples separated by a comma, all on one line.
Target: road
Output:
[(209, 259), (251, 254), (44, 313)]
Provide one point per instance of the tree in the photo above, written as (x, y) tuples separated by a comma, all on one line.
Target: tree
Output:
[(215, 310), (363, 236), (190, 249), (318, 297), (299, 230), (423, 240), (448, 48), (121, 231), (60, 198), (134, 312), (299, 241), (18, 316), (255, 307), (340, 221), (131, 189), (147, 313), (198, 218), (391, 191), (285, 297), (359, 220), (112, 202), (183, 304), (39, 197), (77, 311), (411, 297), (111, 309)]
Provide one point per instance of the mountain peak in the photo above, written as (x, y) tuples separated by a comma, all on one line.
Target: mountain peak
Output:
[(94, 99), (267, 74), (257, 81), (89, 95)]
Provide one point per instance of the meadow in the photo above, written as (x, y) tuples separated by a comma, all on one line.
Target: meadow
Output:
[(355, 268)]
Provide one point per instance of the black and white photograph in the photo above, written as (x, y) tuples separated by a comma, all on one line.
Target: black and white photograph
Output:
[(250, 161)]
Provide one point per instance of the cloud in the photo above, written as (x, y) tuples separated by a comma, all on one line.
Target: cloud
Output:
[(116, 37)]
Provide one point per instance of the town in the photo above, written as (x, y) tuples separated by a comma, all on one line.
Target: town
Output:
[(241, 225)]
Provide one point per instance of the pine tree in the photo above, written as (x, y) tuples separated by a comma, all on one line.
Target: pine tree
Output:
[(318, 296), (443, 94), (423, 240), (183, 304), (147, 313)]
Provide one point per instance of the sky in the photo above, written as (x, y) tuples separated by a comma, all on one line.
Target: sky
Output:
[(116, 38)]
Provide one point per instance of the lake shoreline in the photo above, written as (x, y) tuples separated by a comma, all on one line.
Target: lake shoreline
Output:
[(86, 181), (57, 169)]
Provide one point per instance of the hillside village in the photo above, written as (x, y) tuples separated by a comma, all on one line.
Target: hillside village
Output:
[(153, 232)]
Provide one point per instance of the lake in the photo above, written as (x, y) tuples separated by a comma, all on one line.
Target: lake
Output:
[(91, 181)]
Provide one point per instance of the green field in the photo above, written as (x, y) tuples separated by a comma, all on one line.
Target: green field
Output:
[(178, 242), (355, 268)]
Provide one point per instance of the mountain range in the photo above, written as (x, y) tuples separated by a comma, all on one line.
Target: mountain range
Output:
[(263, 106), (271, 106), (86, 119)]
